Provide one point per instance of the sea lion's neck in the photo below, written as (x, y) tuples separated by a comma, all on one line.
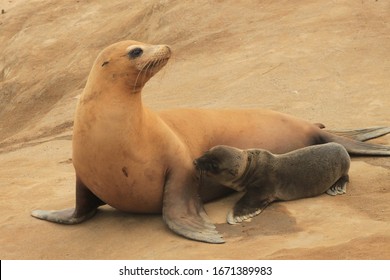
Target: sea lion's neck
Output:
[(242, 181), (105, 103), (254, 172)]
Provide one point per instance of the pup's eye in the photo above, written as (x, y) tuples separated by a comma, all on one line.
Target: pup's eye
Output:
[(134, 53), (212, 167)]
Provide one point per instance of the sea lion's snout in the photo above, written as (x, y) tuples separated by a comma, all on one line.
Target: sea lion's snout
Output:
[(200, 164), (206, 164), (195, 163), (162, 52), (168, 51)]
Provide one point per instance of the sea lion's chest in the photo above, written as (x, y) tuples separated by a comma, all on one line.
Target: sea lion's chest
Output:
[(121, 167)]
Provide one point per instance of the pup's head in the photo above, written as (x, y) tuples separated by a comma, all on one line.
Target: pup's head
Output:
[(223, 164)]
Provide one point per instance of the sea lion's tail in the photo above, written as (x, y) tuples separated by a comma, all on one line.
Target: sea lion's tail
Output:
[(352, 140)]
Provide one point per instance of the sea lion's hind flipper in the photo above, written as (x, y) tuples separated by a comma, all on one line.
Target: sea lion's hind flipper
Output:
[(355, 147), (250, 205), (183, 210), (340, 187), (86, 206), (363, 134)]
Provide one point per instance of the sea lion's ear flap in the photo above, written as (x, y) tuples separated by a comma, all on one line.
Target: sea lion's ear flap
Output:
[(105, 63), (183, 210)]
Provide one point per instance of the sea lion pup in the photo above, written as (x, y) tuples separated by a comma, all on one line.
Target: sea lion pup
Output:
[(267, 177), (139, 160)]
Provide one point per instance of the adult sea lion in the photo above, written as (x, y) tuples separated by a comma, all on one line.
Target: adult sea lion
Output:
[(138, 160), (266, 177)]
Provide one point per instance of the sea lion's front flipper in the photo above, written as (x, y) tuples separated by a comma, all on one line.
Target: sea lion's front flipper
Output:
[(86, 206), (65, 216), (183, 209), (251, 204)]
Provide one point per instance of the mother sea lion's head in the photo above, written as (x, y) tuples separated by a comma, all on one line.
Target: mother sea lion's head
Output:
[(130, 63)]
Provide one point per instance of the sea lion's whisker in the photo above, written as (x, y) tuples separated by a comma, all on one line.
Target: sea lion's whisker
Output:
[(138, 75), (147, 70), (201, 175), (155, 62), (159, 62)]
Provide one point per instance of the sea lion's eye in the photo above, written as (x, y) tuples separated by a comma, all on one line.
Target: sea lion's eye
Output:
[(134, 53), (214, 167)]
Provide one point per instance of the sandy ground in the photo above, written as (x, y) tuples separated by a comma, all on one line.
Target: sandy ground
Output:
[(325, 61)]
